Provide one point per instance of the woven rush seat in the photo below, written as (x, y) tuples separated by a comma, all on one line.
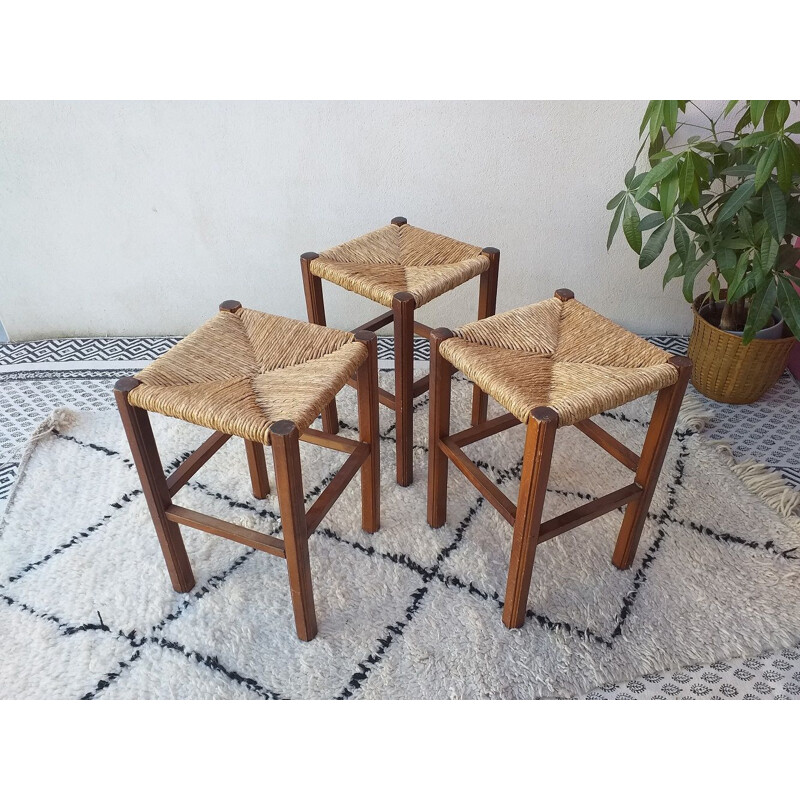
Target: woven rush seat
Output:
[(400, 258), (558, 354), (243, 370)]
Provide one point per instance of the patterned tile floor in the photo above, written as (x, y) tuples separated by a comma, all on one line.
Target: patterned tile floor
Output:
[(36, 377)]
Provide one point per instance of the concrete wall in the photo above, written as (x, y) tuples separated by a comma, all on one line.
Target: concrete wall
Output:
[(138, 218)]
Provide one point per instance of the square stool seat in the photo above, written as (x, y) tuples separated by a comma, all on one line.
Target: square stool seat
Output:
[(400, 258), (558, 354), (243, 370)]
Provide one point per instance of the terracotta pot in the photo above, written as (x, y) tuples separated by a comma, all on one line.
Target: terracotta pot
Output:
[(726, 369)]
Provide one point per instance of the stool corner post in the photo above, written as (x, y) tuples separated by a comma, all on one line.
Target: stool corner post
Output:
[(369, 432), (438, 428)]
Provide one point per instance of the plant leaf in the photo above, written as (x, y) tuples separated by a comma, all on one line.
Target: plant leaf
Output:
[(630, 226), (782, 112), (746, 225), (744, 120), (690, 275), (668, 194), (650, 202), (766, 164), (734, 242), (614, 225), (768, 252), (651, 221), (738, 274), (694, 224), (785, 165), (656, 119), (771, 116), (707, 147), (761, 308), (757, 109), (713, 281), (645, 119), (629, 175), (789, 305), (655, 244), (615, 200), (674, 269), (671, 115), (658, 173), (729, 107), (726, 261), (740, 170), (793, 128), (743, 289), (686, 180), (752, 139), (742, 194), (680, 238), (774, 210)]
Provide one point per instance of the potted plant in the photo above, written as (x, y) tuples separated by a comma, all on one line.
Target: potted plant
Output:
[(725, 189)]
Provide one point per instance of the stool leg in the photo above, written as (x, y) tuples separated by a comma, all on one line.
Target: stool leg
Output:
[(403, 305), (487, 305), (367, 387), (257, 462), (539, 440), (154, 485), (438, 427), (659, 434), (315, 307), (285, 439)]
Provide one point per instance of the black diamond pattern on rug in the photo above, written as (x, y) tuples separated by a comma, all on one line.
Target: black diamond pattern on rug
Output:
[(431, 570)]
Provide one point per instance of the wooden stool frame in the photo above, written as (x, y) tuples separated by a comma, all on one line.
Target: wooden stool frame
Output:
[(405, 327), (526, 516), (298, 524)]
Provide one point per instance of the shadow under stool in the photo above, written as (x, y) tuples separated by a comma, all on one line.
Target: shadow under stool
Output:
[(265, 379), (401, 267), (551, 364)]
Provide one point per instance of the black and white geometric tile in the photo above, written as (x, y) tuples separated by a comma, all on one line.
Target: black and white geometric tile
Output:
[(27, 395)]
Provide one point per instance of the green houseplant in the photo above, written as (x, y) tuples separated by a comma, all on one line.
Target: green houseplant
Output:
[(724, 189)]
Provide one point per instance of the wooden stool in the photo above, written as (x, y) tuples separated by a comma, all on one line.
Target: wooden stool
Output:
[(551, 364), (401, 267), (265, 379)]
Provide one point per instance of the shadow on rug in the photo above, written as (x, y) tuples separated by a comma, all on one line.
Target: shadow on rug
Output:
[(409, 612)]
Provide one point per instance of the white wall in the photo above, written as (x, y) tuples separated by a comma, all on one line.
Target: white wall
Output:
[(139, 218)]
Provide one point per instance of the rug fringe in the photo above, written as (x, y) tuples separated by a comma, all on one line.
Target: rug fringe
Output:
[(694, 414), (763, 481), (58, 419)]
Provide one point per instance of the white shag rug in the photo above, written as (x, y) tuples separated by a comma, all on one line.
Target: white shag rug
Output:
[(88, 611)]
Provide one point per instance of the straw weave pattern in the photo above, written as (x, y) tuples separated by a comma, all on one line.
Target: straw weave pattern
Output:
[(558, 354), (400, 258), (241, 371)]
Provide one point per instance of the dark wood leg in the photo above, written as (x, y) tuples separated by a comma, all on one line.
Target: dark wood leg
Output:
[(285, 440), (438, 426), (487, 305), (655, 447), (315, 307), (257, 462), (154, 485), (403, 307), (539, 441), (367, 387)]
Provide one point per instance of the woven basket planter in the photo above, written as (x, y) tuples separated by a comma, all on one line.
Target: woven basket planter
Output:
[(729, 371)]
